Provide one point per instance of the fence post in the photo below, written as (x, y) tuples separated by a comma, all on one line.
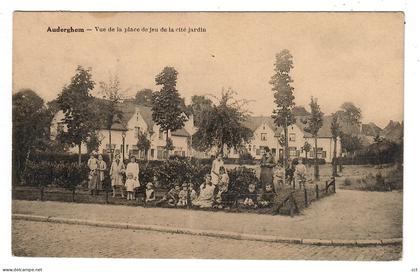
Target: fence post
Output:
[(73, 193), (326, 186), (317, 191), (294, 183), (306, 197), (106, 196), (42, 193), (334, 185)]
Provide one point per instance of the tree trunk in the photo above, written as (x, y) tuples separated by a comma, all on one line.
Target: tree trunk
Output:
[(167, 150), (80, 154), (334, 160), (111, 154), (285, 151), (316, 169)]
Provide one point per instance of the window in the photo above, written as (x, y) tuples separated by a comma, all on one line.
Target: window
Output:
[(258, 152), (160, 135), (136, 132), (249, 148), (161, 153), (293, 151), (292, 137), (263, 136), (324, 154), (273, 151), (152, 153)]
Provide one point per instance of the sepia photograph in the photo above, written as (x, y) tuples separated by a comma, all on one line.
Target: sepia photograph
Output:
[(208, 135)]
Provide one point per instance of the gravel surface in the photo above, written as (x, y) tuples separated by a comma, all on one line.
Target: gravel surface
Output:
[(61, 240), (345, 215)]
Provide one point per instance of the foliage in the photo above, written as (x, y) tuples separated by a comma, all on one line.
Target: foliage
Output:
[(199, 105), (76, 103), (240, 178), (335, 132), (167, 106), (314, 122), (143, 143), (283, 94), (55, 157), (306, 147), (67, 175), (30, 127), (93, 142), (144, 97), (350, 143), (222, 125)]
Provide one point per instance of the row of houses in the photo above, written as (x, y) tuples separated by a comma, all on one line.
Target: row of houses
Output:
[(137, 119)]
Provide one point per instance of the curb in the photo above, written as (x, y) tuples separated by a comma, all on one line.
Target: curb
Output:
[(210, 233)]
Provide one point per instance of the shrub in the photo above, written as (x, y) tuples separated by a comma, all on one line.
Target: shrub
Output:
[(347, 182), (240, 178)]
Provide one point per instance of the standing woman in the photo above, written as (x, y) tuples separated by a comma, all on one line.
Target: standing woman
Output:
[(133, 168), (267, 163), (115, 172), (93, 174), (215, 169), (101, 171)]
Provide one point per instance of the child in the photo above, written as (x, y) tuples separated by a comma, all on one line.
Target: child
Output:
[(171, 197), (278, 178), (300, 173), (150, 193), (129, 185), (222, 186), (268, 196), (250, 200), (206, 196), (133, 167), (183, 196), (193, 193)]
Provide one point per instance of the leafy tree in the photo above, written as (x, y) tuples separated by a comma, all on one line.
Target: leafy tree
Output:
[(306, 147), (143, 143), (76, 102), (144, 97), (350, 143), (335, 132), (349, 117), (222, 125), (199, 104), (167, 106), (30, 127), (314, 123), (283, 95), (111, 112), (93, 142)]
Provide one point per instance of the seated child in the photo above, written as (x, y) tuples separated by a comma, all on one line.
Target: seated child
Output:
[(150, 193), (193, 193), (206, 197), (268, 196), (171, 197), (250, 197), (222, 186), (129, 186), (183, 196)]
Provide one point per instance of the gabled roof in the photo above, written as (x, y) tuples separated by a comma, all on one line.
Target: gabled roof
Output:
[(182, 132), (253, 122), (128, 109), (371, 129)]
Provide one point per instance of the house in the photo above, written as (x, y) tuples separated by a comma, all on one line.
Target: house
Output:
[(125, 131), (267, 134)]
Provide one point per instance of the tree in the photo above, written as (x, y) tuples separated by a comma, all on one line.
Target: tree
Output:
[(144, 97), (199, 104), (30, 127), (222, 125), (306, 147), (143, 143), (335, 132), (93, 142), (350, 143), (283, 96), (314, 123), (76, 102), (167, 106), (349, 117), (111, 92)]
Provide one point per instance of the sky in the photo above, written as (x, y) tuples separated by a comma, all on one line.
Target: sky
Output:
[(337, 57)]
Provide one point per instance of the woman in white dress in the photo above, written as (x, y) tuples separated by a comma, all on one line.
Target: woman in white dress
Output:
[(215, 169), (101, 171), (115, 172), (206, 197)]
